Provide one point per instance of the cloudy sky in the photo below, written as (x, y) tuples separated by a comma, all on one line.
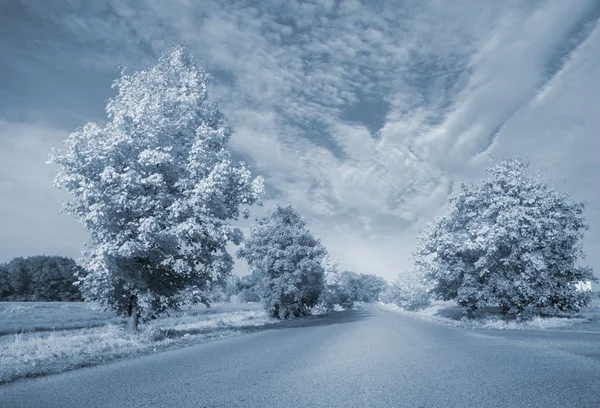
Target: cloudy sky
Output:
[(363, 115)]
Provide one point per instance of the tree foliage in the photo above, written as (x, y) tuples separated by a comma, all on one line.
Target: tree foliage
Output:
[(511, 241), (156, 189), (40, 278), (235, 289), (334, 292), (247, 289), (411, 291), (361, 287), (343, 288), (286, 260)]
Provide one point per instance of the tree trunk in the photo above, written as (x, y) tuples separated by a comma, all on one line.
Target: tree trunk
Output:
[(132, 323), (205, 302), (133, 315)]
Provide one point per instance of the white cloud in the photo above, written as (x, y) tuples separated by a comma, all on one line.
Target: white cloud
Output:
[(558, 130), (293, 75)]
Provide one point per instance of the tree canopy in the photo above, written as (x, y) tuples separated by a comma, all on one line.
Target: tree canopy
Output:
[(40, 278), (156, 189), (286, 260), (511, 241)]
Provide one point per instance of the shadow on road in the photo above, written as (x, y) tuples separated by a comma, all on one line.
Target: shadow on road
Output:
[(346, 316)]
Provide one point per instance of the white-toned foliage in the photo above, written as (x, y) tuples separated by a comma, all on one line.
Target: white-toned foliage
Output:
[(331, 270), (511, 241), (362, 287), (156, 189), (334, 292), (411, 290), (286, 260)]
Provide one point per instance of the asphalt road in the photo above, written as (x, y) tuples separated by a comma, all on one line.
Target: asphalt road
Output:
[(363, 358)]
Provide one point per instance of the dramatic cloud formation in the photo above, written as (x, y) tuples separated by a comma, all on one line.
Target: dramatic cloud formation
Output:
[(362, 115)]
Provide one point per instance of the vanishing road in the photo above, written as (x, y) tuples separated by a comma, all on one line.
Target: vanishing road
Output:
[(362, 358)]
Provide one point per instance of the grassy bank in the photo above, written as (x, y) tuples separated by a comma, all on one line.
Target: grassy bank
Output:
[(51, 337), (490, 318)]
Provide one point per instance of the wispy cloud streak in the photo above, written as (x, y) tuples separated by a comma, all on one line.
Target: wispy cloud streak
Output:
[(361, 114)]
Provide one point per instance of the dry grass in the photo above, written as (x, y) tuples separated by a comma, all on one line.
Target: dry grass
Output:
[(25, 355), (490, 318), (23, 317), (34, 351)]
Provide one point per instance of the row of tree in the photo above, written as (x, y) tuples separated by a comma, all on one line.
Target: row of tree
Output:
[(157, 190), (292, 272), (40, 278), (512, 241)]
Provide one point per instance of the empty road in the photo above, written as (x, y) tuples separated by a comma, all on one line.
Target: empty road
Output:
[(361, 358)]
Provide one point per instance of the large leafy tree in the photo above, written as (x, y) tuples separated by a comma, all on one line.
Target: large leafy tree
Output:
[(511, 241), (286, 261), (156, 189)]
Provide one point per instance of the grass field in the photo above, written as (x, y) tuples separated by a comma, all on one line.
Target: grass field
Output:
[(17, 317), (48, 337), (26, 317)]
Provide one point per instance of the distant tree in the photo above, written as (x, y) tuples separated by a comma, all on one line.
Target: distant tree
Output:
[(371, 286), (156, 189), (512, 241), (228, 289), (248, 289), (21, 280), (285, 258), (350, 284), (411, 291), (231, 288), (49, 273), (334, 292), (217, 291), (362, 287), (55, 278), (234, 289), (6, 288), (40, 278)]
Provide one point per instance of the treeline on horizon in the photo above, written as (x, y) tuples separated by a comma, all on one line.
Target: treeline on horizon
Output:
[(40, 278), (348, 287), (51, 278)]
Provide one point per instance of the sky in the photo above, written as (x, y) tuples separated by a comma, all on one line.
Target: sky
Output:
[(362, 115)]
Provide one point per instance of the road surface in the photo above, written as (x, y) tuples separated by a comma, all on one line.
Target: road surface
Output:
[(363, 358)]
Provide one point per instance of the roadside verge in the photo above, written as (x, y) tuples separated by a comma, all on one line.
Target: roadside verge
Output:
[(35, 353)]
